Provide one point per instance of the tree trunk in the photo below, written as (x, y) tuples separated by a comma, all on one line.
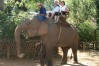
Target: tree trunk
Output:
[(1, 5), (97, 11)]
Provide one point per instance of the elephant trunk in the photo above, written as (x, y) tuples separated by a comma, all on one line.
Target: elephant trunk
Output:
[(17, 40)]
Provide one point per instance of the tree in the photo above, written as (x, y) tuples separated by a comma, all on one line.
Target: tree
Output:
[(23, 7), (1, 5), (97, 11), (82, 10), (18, 1)]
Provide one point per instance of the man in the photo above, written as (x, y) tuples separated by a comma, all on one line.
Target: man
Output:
[(42, 12), (55, 11)]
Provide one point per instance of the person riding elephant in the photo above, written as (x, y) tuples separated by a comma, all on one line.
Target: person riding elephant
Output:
[(64, 11), (55, 11), (42, 12)]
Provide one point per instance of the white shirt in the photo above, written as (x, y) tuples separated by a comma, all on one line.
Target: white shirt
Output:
[(56, 9), (63, 8)]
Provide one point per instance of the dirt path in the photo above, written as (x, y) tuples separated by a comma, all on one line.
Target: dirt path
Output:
[(86, 58)]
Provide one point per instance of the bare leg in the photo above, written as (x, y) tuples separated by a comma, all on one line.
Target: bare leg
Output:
[(64, 59)]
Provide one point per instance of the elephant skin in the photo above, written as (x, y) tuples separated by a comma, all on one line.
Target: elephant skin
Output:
[(68, 38)]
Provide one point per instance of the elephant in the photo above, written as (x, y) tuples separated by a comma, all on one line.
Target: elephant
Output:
[(51, 35)]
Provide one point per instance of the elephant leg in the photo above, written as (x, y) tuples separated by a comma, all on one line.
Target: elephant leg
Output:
[(64, 59), (74, 50), (42, 55), (56, 50), (49, 56)]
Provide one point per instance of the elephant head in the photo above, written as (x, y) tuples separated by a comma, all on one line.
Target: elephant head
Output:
[(29, 28)]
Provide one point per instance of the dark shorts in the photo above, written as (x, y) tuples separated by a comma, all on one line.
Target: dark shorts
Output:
[(57, 13), (64, 13)]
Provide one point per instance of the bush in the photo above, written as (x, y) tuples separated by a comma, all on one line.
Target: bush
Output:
[(86, 31), (10, 18), (9, 22)]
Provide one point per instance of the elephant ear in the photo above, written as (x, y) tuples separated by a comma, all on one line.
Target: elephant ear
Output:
[(43, 29)]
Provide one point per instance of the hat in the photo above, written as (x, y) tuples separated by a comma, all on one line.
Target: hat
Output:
[(39, 4)]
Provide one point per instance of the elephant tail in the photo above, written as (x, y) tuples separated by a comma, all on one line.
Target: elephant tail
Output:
[(71, 56)]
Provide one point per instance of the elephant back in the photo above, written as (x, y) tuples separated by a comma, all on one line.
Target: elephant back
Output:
[(59, 23)]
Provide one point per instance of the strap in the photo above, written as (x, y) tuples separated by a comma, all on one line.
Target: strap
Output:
[(56, 6), (60, 30)]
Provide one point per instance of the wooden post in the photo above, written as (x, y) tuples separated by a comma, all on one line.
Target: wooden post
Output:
[(8, 51), (84, 45), (94, 43)]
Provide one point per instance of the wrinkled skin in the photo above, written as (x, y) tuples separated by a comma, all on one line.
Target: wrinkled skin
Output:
[(68, 39)]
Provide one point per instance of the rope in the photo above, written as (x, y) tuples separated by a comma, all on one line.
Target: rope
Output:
[(60, 30)]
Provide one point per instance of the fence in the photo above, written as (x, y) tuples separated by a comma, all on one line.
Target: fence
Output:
[(8, 48), (31, 49)]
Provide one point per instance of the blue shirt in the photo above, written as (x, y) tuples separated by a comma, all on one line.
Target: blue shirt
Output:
[(42, 10)]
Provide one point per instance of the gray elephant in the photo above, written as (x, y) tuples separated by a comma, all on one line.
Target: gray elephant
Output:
[(52, 35)]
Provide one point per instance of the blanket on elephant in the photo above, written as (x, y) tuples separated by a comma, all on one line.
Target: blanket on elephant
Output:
[(63, 24), (59, 23)]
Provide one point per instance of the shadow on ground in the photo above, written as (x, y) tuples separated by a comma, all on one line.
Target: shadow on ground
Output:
[(85, 58)]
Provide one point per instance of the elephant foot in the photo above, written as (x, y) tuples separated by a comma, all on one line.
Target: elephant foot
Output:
[(21, 55), (50, 65), (75, 62), (42, 65), (63, 63)]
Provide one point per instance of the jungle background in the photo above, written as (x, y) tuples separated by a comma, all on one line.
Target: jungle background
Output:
[(84, 15)]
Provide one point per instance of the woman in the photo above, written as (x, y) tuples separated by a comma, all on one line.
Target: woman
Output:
[(64, 14), (63, 10)]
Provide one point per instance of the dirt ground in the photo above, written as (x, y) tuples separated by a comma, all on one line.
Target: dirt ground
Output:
[(85, 58)]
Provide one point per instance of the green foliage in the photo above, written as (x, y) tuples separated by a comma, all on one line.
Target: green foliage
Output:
[(82, 13), (10, 18), (97, 11), (97, 35), (8, 6), (82, 10), (49, 4), (86, 30), (8, 24)]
